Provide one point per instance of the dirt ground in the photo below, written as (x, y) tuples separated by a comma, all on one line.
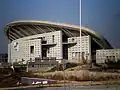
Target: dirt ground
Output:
[(11, 79)]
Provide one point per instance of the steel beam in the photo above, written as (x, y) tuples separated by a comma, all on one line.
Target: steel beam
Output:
[(99, 43), (18, 32), (30, 29), (14, 35), (26, 29), (66, 32), (11, 38), (69, 32), (51, 29), (40, 29), (36, 29), (23, 30)]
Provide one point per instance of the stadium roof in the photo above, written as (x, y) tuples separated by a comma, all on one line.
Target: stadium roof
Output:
[(22, 28)]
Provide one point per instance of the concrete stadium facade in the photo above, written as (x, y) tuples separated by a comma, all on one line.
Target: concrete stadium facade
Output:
[(30, 39), (107, 55)]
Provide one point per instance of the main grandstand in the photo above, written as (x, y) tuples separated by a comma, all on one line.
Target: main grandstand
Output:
[(52, 42)]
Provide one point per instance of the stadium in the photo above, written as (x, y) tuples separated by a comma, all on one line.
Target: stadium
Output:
[(51, 42)]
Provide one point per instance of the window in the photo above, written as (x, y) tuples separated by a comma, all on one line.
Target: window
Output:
[(30, 59), (53, 38), (48, 50), (43, 38), (72, 39), (31, 49)]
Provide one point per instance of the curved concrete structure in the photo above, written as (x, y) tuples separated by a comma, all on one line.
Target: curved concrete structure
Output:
[(23, 28), (30, 39)]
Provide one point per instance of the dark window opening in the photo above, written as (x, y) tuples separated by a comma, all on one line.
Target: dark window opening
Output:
[(43, 40), (53, 38), (30, 59), (65, 38), (65, 51), (72, 39), (48, 50), (44, 51), (31, 49)]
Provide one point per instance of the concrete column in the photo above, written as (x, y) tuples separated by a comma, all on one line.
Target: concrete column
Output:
[(81, 61), (61, 46)]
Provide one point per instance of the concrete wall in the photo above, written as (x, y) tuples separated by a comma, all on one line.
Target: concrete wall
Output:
[(104, 54), (40, 65), (20, 49), (74, 51), (37, 49)]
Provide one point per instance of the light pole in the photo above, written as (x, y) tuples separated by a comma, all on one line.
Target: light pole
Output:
[(80, 30)]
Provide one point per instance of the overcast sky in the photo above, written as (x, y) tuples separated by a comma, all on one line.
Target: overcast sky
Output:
[(104, 17)]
